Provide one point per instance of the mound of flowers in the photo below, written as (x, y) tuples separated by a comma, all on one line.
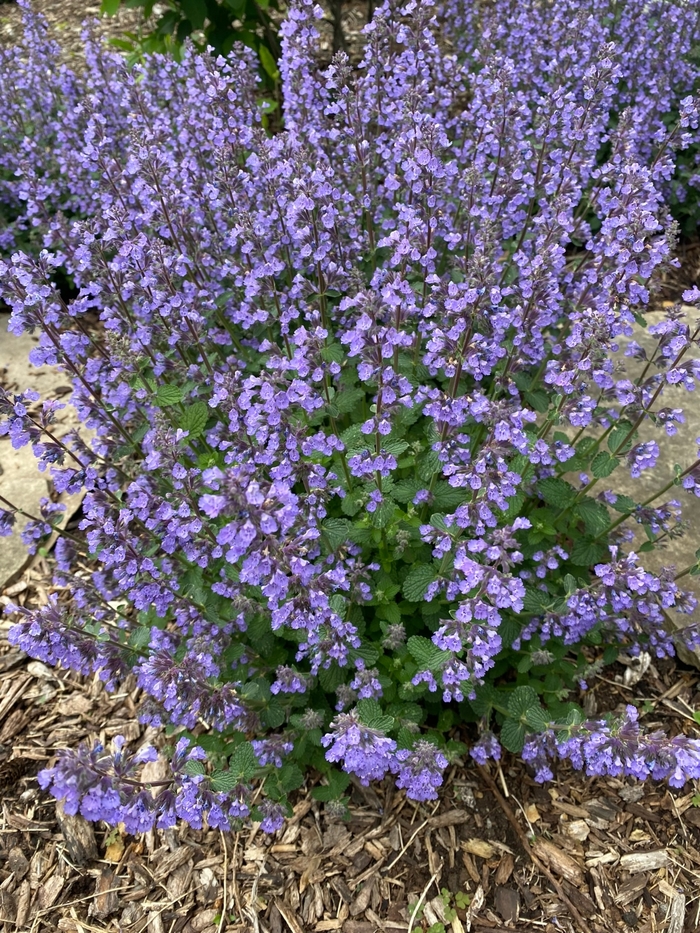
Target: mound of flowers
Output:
[(352, 394)]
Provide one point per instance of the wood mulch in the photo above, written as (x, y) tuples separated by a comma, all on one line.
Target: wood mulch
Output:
[(578, 854)]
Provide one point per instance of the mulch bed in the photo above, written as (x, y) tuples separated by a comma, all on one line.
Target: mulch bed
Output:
[(578, 854)]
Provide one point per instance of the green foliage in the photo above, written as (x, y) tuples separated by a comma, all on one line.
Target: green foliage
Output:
[(216, 23)]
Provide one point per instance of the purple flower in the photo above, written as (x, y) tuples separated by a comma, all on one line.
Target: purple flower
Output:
[(420, 770), (363, 751)]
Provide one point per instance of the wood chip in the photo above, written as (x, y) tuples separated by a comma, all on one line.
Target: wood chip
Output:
[(645, 861), (505, 869), (676, 915), (106, 898), (78, 835), (579, 830), (479, 847), (630, 890), (558, 861), (507, 903), (451, 818), (532, 814)]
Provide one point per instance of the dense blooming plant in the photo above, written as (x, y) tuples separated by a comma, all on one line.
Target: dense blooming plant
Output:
[(356, 413)]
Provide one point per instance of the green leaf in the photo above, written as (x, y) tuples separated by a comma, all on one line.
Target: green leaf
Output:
[(513, 736), (140, 636), (193, 767), (594, 514), (330, 678), (352, 503), (268, 62), (195, 419), (290, 776), (539, 400), (620, 438), (337, 530), (168, 395), (390, 612), (224, 780), (273, 716), (624, 503), (195, 11), (521, 700), (426, 654), (405, 490), (337, 782), (243, 763), (334, 352), (383, 515), (109, 7), (417, 582), (603, 464), (556, 492), (586, 553), (348, 400), (368, 710)]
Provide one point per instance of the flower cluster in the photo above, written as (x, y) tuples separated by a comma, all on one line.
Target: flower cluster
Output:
[(338, 380)]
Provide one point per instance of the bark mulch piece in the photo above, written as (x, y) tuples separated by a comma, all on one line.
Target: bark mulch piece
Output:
[(578, 854)]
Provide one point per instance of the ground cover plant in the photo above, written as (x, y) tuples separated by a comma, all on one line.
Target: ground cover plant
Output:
[(354, 407)]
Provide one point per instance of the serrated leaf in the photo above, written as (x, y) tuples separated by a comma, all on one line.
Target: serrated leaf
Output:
[(244, 762), (337, 783), (167, 395), (369, 709), (624, 503), (195, 419), (594, 514), (446, 496), (536, 600), (406, 489), (290, 776), (381, 517), (394, 446), (521, 700), (603, 464), (428, 465), (556, 492), (512, 736), (367, 652), (140, 636), (330, 678), (334, 352), (337, 530), (417, 582), (224, 780), (425, 653), (586, 553), (348, 400), (194, 767), (109, 7), (620, 438), (381, 723), (351, 503), (539, 400), (273, 716), (390, 612)]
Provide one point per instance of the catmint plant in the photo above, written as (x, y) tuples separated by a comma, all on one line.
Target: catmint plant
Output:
[(355, 419)]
